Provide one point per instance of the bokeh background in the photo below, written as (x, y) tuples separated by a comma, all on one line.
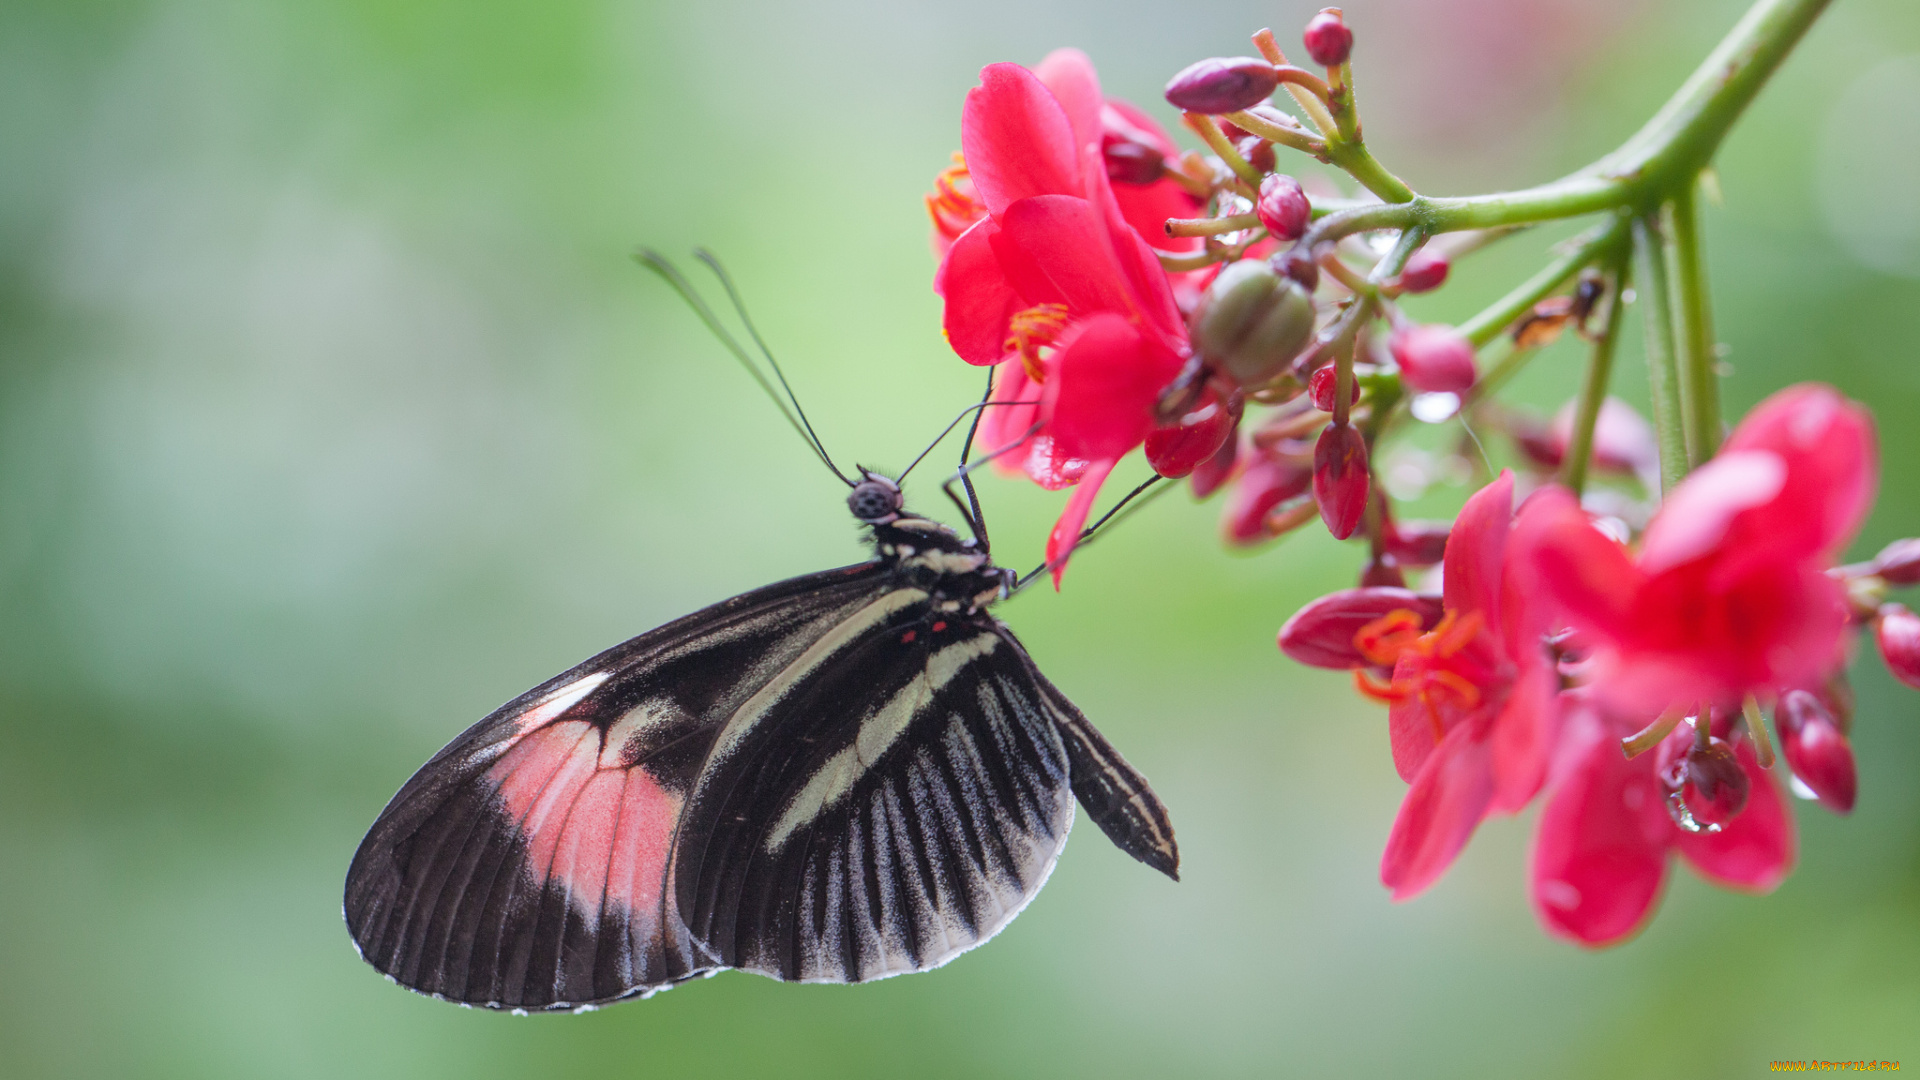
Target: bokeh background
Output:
[(333, 413)]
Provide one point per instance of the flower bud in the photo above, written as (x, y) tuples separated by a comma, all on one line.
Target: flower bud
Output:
[(1176, 449), (1433, 358), (1211, 474), (1706, 786), (1257, 151), (1283, 207), (1251, 322), (1321, 634), (1815, 749), (1899, 562), (1130, 161), (1320, 386), (1222, 85), (1425, 272), (1298, 265), (1267, 483), (1340, 478), (1898, 632), (1419, 543), (1328, 39)]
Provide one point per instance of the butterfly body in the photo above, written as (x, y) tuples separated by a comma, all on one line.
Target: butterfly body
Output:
[(836, 778)]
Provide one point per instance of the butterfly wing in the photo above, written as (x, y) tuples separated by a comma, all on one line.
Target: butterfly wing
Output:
[(888, 813), (528, 864)]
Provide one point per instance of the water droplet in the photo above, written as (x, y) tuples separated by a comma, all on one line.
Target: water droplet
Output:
[(1434, 408), (1801, 790), (1683, 817)]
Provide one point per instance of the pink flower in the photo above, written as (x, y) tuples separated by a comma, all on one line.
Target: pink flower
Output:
[(1600, 854), (1056, 283), (1729, 595), (1471, 698)]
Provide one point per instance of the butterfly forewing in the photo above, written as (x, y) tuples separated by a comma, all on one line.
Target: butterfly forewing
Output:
[(526, 865)]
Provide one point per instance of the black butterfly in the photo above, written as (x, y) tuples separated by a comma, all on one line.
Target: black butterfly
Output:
[(837, 778)]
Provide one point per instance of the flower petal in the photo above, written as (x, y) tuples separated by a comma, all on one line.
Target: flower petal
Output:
[(1523, 736), (1069, 76), (1104, 387), (1695, 517), (1005, 425), (1476, 548), (1828, 445), (1754, 851), (1586, 575), (1064, 241), (980, 303), (1016, 139), (1600, 853), (1066, 531), (1446, 802)]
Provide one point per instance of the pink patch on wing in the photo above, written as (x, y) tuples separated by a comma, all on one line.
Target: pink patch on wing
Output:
[(603, 832)]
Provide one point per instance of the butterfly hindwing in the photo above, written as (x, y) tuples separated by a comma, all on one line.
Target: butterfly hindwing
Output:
[(885, 814), (527, 865)]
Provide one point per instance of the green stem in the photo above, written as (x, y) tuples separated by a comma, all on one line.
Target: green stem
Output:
[(1663, 373), (1489, 323), (1669, 151), (1255, 124), (1697, 347), (1218, 142), (1593, 393)]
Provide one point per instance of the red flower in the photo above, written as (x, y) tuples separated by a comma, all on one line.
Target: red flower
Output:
[(1055, 284), (1600, 854), (1729, 595), (1471, 697)]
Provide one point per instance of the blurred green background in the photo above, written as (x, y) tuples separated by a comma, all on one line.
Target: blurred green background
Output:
[(332, 414)]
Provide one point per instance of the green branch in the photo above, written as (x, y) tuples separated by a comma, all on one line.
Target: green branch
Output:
[(1663, 372), (1693, 304)]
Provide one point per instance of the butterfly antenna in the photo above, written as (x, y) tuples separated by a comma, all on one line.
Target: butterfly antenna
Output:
[(1114, 514), (669, 273), (740, 309)]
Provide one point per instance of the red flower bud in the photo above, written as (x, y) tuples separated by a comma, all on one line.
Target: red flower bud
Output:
[(1251, 322), (1340, 478), (1706, 787), (1898, 632), (1815, 749), (1222, 85), (1433, 358), (1328, 39), (1130, 161), (1210, 474), (1298, 265), (1266, 484), (1283, 207), (1425, 272), (1321, 634), (1182, 446), (1257, 151), (1419, 543), (1320, 386), (1899, 562)]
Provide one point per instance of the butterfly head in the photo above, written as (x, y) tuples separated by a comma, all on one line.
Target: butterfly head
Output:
[(875, 500)]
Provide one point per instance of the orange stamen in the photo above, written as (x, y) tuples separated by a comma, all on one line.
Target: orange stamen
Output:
[(1385, 638), (1387, 693), (1036, 328), (953, 204)]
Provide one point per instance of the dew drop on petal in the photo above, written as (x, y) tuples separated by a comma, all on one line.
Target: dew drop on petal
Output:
[(1683, 817), (1801, 790)]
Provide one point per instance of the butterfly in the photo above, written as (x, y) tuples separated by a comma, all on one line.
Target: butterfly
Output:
[(844, 776)]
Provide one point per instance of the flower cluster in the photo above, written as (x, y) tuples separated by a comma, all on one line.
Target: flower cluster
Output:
[(1609, 651)]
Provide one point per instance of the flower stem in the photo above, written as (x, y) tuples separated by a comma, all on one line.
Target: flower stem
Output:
[(1593, 393), (1663, 372), (1489, 323), (1669, 151), (1697, 347), (1185, 227), (1757, 729), (1217, 141), (1255, 124)]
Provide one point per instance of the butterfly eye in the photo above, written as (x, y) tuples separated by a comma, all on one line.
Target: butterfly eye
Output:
[(874, 501)]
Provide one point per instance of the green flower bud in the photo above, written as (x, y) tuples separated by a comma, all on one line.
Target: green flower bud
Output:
[(1252, 322)]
